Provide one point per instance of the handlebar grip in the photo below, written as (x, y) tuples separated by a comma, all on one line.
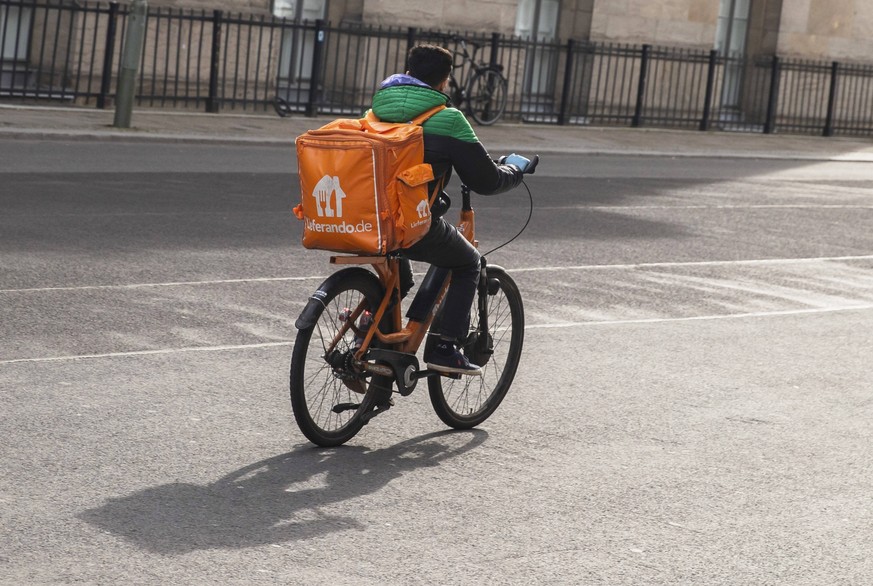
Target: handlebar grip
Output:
[(532, 167), (529, 168)]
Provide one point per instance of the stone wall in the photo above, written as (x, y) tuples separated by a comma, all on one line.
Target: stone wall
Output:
[(472, 15), (840, 30), (575, 20), (257, 7), (682, 23), (764, 23), (812, 29)]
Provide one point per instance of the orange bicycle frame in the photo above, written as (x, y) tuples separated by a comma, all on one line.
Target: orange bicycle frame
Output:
[(403, 338)]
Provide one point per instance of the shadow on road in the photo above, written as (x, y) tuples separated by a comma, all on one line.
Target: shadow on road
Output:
[(272, 501)]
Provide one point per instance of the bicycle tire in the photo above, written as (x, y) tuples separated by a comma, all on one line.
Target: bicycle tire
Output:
[(282, 107), (456, 94), (466, 402), (316, 386), (487, 93)]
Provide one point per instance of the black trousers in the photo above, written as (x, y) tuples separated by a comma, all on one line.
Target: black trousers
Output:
[(443, 246)]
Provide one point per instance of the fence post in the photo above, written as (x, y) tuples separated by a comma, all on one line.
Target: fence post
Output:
[(832, 100), (773, 101), (108, 55), (495, 46), (565, 90), (710, 84), (131, 55), (212, 101), (411, 33), (315, 76), (641, 86)]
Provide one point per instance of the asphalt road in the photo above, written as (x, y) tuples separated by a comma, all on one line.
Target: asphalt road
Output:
[(693, 407)]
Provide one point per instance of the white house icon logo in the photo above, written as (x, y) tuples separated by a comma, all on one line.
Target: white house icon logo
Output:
[(326, 187), (421, 208)]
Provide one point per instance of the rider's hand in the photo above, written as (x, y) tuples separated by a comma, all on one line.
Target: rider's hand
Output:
[(523, 164)]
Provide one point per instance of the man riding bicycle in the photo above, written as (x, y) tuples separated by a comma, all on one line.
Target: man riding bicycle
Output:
[(449, 143)]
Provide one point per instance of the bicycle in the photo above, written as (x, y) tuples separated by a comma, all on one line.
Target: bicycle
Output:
[(485, 91), (343, 373)]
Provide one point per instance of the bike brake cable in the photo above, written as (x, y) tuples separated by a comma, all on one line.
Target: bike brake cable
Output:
[(523, 228)]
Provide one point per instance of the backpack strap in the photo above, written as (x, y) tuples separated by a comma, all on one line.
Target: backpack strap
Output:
[(371, 121), (370, 118), (438, 186), (425, 116), (421, 119)]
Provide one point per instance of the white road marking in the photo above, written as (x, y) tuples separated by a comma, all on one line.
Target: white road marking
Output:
[(824, 301), (764, 261), (168, 284), (788, 206), (702, 263), (148, 352), (557, 325), (657, 320)]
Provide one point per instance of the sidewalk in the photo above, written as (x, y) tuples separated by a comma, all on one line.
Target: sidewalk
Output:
[(35, 122)]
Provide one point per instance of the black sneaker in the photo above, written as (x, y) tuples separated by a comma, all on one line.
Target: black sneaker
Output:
[(445, 357)]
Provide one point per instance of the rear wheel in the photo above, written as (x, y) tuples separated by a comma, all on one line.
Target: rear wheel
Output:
[(468, 401), (328, 396), (486, 96)]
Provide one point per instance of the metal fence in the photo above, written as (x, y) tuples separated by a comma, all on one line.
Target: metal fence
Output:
[(217, 61)]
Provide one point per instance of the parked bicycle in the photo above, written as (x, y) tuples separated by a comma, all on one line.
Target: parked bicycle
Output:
[(282, 106), (484, 93), (352, 348)]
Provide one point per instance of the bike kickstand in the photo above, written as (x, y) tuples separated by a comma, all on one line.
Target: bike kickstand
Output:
[(380, 408)]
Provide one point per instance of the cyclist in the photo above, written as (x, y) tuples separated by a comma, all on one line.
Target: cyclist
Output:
[(449, 143)]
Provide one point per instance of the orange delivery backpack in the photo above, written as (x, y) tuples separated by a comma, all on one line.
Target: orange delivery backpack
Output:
[(363, 185)]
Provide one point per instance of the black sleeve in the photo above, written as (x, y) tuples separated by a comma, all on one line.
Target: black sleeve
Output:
[(472, 163)]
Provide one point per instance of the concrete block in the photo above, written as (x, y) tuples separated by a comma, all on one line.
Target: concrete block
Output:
[(803, 45), (705, 11), (831, 17), (795, 16)]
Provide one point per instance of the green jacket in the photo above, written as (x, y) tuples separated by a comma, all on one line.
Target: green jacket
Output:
[(449, 140)]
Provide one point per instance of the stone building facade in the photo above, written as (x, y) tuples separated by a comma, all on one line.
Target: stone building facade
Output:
[(549, 79), (810, 29)]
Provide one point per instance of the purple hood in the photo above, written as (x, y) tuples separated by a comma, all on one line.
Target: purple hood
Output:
[(401, 79)]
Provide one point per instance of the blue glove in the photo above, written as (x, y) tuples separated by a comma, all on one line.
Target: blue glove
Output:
[(517, 161)]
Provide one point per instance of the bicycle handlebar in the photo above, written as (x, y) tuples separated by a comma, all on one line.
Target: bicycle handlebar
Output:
[(464, 41), (532, 167), (466, 203), (529, 169)]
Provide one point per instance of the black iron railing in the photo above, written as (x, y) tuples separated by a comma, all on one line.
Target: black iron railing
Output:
[(219, 61)]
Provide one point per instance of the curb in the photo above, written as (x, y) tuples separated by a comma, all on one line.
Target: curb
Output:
[(147, 136), (509, 137), (137, 136)]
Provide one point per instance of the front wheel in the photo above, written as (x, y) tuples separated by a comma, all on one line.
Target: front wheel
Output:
[(468, 401), (486, 96), (328, 396)]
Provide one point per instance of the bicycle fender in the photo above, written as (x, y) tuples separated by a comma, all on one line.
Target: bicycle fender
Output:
[(317, 301), (496, 268), (490, 271)]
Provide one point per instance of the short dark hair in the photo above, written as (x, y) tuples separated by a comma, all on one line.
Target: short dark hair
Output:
[(431, 64)]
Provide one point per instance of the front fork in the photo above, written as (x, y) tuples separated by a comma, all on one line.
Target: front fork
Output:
[(483, 296), (479, 345)]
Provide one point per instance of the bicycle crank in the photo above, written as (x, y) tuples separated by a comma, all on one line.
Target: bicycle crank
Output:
[(402, 367)]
